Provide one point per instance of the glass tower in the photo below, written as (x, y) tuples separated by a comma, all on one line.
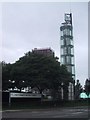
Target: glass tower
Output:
[(67, 45)]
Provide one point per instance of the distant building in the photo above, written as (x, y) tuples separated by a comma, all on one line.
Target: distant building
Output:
[(44, 51)]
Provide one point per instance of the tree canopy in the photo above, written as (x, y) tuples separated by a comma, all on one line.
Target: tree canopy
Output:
[(78, 90), (87, 86), (36, 70)]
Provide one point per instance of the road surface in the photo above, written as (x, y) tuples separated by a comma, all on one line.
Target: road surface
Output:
[(76, 112)]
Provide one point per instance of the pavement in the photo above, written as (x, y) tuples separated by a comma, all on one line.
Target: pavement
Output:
[(69, 112)]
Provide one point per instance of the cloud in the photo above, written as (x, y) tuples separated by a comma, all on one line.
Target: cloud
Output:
[(37, 25)]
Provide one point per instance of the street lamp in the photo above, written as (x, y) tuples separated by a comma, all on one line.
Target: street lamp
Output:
[(11, 84), (9, 80), (13, 81), (23, 81)]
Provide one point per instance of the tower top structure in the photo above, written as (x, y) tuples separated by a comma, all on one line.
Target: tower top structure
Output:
[(68, 18)]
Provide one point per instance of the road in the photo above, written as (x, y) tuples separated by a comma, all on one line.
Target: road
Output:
[(48, 113)]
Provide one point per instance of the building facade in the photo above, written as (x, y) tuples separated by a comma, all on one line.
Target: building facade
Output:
[(44, 51), (67, 45), (67, 50)]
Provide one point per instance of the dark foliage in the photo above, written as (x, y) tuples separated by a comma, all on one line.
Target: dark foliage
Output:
[(36, 71)]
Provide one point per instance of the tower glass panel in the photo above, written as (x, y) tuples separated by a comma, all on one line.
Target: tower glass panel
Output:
[(67, 46)]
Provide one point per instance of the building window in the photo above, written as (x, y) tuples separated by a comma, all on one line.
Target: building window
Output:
[(62, 42), (65, 50), (73, 70), (69, 68), (63, 60), (62, 51), (68, 59), (72, 51), (67, 41), (72, 60)]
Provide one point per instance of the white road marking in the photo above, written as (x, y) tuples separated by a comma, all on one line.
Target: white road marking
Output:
[(11, 110)]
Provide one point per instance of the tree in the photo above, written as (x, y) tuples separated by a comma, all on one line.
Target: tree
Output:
[(39, 71), (87, 86), (78, 90), (6, 68), (66, 78)]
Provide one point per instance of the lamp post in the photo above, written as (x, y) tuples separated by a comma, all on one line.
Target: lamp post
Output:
[(12, 83), (62, 92)]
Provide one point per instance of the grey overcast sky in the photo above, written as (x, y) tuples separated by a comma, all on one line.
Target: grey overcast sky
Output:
[(26, 26)]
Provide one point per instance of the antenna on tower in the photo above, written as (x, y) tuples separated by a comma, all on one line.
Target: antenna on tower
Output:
[(70, 5), (70, 12)]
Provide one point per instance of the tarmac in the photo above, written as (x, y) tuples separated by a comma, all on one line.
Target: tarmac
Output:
[(68, 112)]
